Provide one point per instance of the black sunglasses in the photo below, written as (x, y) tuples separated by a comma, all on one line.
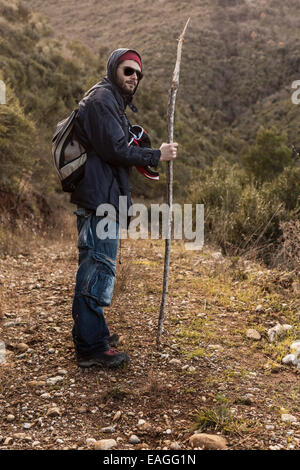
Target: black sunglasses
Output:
[(128, 71)]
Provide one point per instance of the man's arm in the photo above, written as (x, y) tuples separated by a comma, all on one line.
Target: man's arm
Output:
[(109, 141)]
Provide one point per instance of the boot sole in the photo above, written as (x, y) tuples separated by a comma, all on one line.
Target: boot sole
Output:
[(107, 365)]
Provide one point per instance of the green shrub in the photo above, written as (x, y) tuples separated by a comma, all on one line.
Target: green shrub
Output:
[(269, 156), (240, 216), (18, 138)]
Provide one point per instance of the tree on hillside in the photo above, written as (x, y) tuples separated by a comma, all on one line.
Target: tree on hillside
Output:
[(268, 156)]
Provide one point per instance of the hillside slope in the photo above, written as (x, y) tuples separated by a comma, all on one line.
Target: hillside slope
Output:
[(239, 61), (237, 54)]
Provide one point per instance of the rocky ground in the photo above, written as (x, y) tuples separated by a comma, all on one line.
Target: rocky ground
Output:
[(217, 372)]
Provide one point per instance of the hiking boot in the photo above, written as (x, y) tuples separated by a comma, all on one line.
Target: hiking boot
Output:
[(108, 359), (113, 340)]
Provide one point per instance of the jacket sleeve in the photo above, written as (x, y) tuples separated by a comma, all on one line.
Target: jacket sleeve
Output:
[(109, 141)]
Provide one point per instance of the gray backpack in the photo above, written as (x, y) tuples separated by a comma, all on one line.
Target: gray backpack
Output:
[(69, 156)]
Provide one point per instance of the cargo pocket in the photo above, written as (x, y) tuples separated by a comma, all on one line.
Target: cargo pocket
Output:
[(100, 280)]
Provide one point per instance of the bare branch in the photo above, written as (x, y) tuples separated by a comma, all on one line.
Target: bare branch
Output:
[(171, 113)]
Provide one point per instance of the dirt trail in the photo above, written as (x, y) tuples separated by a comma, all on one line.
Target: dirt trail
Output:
[(207, 364)]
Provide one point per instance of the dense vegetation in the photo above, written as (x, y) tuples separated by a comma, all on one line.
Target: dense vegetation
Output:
[(235, 121)]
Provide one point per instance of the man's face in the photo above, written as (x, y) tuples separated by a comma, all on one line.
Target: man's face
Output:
[(127, 83)]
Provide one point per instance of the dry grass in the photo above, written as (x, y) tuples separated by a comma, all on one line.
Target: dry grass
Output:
[(25, 236), (288, 256)]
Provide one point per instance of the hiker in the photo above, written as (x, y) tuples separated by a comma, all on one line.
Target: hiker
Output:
[(103, 128)]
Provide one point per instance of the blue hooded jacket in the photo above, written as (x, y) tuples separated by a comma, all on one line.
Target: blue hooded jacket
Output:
[(102, 127)]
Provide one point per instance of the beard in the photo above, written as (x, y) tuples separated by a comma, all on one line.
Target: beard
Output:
[(125, 90)]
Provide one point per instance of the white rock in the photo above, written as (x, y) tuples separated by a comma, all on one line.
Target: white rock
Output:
[(287, 327), (253, 334), (108, 429), (289, 359), (8, 441), (295, 348), (134, 439), (278, 330), (9, 323), (208, 441), (105, 444), (54, 380), (53, 412), (10, 418), (90, 441), (141, 422), (175, 361), (117, 416), (22, 347), (19, 435), (175, 446), (287, 418), (26, 425), (217, 255)]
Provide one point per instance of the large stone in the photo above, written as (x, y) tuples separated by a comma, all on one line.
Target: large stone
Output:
[(108, 429), (105, 444), (175, 446), (208, 441), (253, 334), (278, 330), (134, 439), (90, 441), (117, 416), (295, 348), (36, 383), (54, 380), (175, 361), (22, 347), (290, 359), (8, 441), (287, 418), (19, 435), (53, 412)]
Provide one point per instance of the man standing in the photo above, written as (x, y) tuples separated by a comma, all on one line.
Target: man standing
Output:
[(103, 128)]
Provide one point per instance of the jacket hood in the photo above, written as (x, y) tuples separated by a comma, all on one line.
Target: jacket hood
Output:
[(112, 65)]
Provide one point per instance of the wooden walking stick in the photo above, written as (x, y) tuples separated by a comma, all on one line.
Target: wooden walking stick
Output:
[(171, 112)]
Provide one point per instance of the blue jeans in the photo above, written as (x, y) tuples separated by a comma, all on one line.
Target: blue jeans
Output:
[(94, 285)]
